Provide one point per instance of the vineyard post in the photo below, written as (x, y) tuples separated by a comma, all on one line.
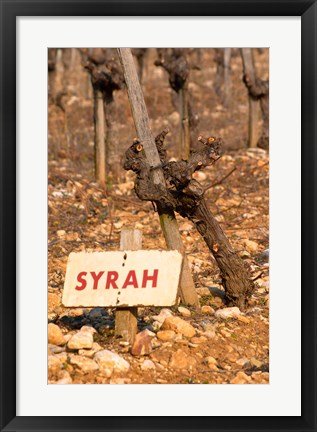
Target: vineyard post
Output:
[(248, 66), (184, 119), (167, 217), (100, 144), (126, 325), (227, 77)]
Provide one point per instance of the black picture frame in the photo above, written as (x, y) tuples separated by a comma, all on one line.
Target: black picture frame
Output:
[(10, 9)]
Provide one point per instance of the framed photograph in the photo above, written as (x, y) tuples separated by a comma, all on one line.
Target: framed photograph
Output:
[(101, 327)]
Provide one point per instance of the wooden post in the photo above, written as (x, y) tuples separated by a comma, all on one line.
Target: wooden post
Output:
[(167, 217), (227, 78), (184, 119), (100, 145), (73, 55), (113, 161), (59, 68), (248, 66), (52, 58), (126, 325)]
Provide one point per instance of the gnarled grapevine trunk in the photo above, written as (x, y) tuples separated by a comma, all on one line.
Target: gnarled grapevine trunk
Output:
[(175, 62), (186, 196), (235, 275), (106, 77)]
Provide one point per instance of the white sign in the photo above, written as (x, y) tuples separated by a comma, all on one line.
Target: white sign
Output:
[(123, 278)]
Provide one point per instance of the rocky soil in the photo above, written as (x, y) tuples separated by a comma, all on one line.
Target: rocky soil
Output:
[(174, 345), (177, 345)]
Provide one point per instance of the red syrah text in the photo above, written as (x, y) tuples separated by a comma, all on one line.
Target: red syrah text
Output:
[(109, 280)]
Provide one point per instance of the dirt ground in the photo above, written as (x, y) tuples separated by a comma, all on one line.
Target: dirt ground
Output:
[(85, 217)]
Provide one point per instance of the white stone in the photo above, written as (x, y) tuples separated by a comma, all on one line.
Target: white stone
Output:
[(120, 381), (251, 246), (118, 225), (174, 117), (55, 335), (230, 312), (107, 372), (54, 365), (240, 378), (62, 357), (109, 360), (88, 329), (155, 343), (156, 325), (208, 310), (210, 334), (184, 311), (179, 326), (64, 378), (200, 176), (57, 194), (244, 254), (203, 291), (166, 335), (83, 363), (211, 360), (67, 337), (164, 313), (147, 365), (55, 349), (81, 340), (242, 361)]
